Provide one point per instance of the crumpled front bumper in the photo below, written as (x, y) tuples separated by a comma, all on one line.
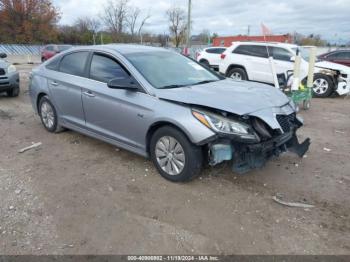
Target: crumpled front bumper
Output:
[(246, 157)]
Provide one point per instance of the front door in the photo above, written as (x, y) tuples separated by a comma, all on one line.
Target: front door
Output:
[(116, 114)]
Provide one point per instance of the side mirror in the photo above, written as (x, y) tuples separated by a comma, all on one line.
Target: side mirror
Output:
[(292, 59), (3, 55), (127, 83)]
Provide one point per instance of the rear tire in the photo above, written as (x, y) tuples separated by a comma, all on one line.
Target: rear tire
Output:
[(205, 63), (237, 74), (48, 115), (323, 86), (175, 157)]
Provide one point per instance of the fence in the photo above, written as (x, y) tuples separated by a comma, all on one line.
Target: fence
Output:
[(10, 49)]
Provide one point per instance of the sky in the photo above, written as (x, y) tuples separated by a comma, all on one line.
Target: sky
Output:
[(330, 19)]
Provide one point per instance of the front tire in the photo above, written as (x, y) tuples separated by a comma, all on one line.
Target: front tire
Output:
[(14, 92), (323, 86), (48, 115), (237, 74), (175, 157)]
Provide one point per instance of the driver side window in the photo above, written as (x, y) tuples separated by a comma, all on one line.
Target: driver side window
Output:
[(104, 68)]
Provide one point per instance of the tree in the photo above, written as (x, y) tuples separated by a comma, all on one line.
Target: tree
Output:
[(114, 17), (133, 15), (87, 28), (177, 21), (28, 21)]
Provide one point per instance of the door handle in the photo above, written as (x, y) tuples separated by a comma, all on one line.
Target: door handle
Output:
[(54, 83), (89, 94)]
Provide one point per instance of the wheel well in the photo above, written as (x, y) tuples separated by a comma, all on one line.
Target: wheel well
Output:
[(38, 100), (235, 66), (202, 60), (155, 127)]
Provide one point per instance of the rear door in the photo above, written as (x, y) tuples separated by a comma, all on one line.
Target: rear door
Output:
[(65, 85), (255, 60)]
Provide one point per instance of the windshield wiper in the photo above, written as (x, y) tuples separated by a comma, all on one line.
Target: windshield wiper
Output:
[(171, 86), (204, 82)]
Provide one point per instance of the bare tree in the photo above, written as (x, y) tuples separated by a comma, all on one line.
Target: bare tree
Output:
[(177, 27), (87, 28), (132, 19), (114, 16)]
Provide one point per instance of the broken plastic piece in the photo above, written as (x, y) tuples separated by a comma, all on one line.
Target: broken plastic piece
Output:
[(299, 149), (291, 204), (219, 153), (29, 147)]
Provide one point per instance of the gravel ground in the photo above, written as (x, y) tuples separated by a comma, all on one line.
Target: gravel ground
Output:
[(77, 195)]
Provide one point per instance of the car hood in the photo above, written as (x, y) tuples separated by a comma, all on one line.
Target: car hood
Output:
[(238, 97), (334, 66)]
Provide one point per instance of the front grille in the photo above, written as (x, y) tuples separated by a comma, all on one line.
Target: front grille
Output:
[(2, 72), (286, 122)]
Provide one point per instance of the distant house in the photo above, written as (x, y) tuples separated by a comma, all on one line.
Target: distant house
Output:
[(227, 40)]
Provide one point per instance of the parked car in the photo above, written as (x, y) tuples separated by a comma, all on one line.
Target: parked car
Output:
[(9, 77), (51, 50), (163, 105), (249, 61), (339, 57), (210, 56)]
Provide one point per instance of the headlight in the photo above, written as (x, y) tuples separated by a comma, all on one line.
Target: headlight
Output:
[(11, 69), (224, 125)]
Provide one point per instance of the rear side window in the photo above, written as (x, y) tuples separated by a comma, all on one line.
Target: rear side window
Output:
[(49, 48), (54, 63), (74, 63), (251, 50), (215, 50), (104, 68), (280, 53), (339, 55)]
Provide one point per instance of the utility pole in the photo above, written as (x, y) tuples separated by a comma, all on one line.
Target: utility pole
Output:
[(188, 42), (248, 33)]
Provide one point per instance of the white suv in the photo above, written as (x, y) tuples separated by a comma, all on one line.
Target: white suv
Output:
[(210, 57), (249, 61)]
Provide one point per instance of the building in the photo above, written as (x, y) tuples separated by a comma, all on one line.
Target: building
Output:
[(227, 40)]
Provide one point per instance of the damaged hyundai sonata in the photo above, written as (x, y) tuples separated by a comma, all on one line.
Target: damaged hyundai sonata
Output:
[(165, 106)]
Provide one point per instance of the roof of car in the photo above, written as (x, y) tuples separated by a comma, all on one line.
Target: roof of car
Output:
[(123, 48), (215, 47), (266, 43)]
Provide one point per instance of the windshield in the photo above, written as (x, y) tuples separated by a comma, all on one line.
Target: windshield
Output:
[(304, 52), (165, 69)]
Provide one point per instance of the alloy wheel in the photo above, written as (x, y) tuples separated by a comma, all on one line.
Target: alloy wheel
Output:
[(47, 115), (236, 76), (170, 155), (320, 86)]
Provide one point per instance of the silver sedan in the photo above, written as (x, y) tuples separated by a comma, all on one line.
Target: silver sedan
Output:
[(165, 106)]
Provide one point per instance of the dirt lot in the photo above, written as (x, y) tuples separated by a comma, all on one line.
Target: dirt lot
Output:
[(77, 195)]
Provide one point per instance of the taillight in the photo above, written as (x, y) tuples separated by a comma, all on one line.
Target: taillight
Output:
[(222, 56)]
